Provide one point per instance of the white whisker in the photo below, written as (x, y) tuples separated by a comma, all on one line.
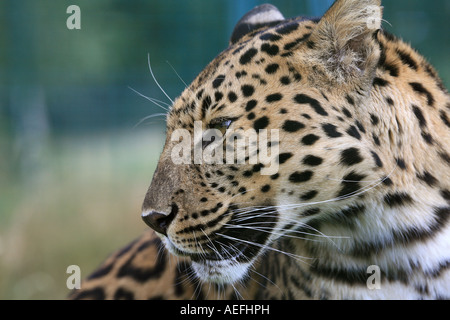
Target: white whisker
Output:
[(152, 100), (148, 117), (294, 256), (156, 81), (179, 77)]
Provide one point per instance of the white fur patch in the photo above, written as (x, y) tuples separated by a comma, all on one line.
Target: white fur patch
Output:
[(223, 271)]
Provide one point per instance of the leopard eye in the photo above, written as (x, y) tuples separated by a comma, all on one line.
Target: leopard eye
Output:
[(220, 124)]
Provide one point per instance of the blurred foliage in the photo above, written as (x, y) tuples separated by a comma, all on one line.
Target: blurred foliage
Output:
[(73, 167)]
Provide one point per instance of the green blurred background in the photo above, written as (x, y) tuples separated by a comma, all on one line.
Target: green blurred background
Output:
[(75, 158)]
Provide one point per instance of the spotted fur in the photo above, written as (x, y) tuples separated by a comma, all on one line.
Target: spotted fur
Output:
[(363, 177)]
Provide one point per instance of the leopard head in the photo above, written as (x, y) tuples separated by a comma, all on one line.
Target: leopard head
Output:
[(271, 101)]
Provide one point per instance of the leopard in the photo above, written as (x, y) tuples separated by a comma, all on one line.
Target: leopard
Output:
[(359, 204)]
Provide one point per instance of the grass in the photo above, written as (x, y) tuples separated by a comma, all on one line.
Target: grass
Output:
[(80, 202)]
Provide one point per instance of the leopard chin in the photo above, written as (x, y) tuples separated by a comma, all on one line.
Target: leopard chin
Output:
[(227, 271), (216, 268)]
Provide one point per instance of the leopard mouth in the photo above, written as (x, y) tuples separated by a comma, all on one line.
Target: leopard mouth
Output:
[(238, 254), (226, 255), (214, 267)]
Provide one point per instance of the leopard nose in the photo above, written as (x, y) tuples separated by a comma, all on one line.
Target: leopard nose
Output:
[(159, 221)]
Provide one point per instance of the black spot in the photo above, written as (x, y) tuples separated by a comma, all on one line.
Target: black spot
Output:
[(292, 44), (232, 96), (376, 139), (272, 68), (248, 55), (261, 123), (283, 157), (401, 163), (442, 216), (242, 190), (200, 94), (311, 44), (274, 97), (247, 173), (95, 294), (250, 105), (350, 184), (309, 139), (204, 199), (206, 103), (331, 130), (275, 176), (382, 59), (271, 50), (247, 90), (257, 167), (427, 178), (389, 101), (377, 159), (374, 119), (428, 138), (304, 99), (387, 181), (360, 126), (380, 82), (397, 199), (419, 88), (444, 157), (446, 195), (292, 126), (352, 131), (240, 74), (218, 81), (393, 70), (311, 212), (309, 195), (204, 213), (270, 37), (297, 76), (346, 112), (350, 100), (251, 116), (287, 28), (313, 161), (218, 96), (407, 59), (298, 177), (445, 118), (419, 115), (285, 80), (265, 188)]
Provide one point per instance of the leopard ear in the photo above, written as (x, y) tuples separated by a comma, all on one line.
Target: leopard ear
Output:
[(260, 16), (344, 45)]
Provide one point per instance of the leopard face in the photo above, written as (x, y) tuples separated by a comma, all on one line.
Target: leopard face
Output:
[(310, 94)]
